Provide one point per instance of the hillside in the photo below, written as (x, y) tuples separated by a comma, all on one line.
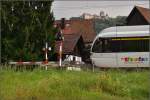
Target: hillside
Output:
[(101, 24)]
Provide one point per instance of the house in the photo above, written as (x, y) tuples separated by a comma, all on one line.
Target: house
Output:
[(80, 26), (78, 37), (139, 16), (72, 48)]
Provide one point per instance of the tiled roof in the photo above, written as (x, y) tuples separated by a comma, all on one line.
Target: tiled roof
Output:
[(80, 26), (145, 12), (84, 27), (69, 43)]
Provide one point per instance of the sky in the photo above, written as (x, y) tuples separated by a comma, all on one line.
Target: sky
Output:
[(75, 8)]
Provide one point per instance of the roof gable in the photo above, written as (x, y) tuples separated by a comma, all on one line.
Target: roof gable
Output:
[(145, 12), (69, 43)]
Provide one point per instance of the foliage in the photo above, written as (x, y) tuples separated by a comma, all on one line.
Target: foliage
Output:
[(70, 85), (101, 24), (26, 26)]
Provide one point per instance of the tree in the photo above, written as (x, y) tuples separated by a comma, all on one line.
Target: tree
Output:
[(26, 26)]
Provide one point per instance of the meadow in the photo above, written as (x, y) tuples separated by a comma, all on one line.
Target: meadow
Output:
[(54, 84)]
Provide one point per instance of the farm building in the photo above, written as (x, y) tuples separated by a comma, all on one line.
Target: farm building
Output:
[(139, 16)]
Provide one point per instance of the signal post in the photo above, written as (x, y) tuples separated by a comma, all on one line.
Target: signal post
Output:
[(59, 38)]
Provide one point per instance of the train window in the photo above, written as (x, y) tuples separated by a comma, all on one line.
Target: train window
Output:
[(111, 46), (97, 47), (134, 46), (115, 46), (102, 45), (131, 45), (107, 45)]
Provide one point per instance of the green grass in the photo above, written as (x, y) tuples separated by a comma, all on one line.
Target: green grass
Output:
[(69, 85)]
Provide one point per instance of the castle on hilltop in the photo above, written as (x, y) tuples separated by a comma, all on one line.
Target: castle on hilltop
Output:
[(101, 15)]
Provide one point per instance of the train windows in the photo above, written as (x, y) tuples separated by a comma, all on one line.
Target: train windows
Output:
[(97, 47), (132, 44), (115, 46), (108, 45), (102, 45)]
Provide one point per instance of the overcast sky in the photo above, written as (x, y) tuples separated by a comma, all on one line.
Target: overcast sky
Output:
[(75, 8)]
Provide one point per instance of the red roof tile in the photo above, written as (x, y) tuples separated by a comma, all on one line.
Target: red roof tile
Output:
[(145, 12), (84, 27), (80, 26)]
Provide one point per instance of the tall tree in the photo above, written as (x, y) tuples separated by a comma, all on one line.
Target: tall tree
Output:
[(26, 26)]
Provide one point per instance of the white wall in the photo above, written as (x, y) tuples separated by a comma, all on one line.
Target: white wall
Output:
[(71, 58)]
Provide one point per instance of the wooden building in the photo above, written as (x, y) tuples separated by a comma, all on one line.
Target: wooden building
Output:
[(139, 16)]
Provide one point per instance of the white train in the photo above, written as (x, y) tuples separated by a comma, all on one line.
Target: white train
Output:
[(122, 46)]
